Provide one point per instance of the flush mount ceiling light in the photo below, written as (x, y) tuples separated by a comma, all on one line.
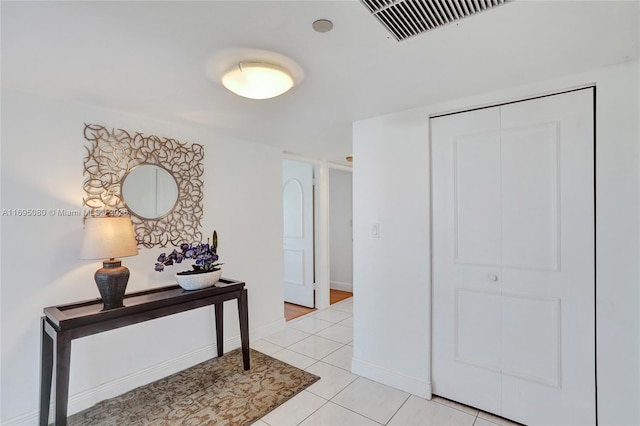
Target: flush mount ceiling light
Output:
[(253, 73), (257, 80)]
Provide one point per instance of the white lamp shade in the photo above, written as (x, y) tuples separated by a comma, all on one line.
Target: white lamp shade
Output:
[(108, 237), (257, 80)]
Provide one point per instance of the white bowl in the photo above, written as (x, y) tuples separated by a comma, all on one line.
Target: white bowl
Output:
[(198, 281)]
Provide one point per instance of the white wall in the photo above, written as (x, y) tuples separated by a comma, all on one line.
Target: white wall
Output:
[(392, 273), (42, 165), (340, 230)]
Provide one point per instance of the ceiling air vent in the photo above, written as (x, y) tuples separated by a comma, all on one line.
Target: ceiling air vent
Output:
[(407, 18)]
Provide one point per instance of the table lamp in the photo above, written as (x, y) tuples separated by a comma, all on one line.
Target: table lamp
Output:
[(107, 238)]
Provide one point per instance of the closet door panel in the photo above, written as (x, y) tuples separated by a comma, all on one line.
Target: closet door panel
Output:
[(466, 310), (476, 165), (550, 143), (529, 196)]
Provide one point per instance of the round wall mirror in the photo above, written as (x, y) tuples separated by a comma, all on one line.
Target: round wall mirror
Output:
[(149, 191)]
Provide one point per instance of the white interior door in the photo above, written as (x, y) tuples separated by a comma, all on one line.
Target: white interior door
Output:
[(297, 195), (513, 259)]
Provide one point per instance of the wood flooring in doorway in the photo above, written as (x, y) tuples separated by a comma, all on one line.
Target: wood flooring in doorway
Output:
[(292, 311)]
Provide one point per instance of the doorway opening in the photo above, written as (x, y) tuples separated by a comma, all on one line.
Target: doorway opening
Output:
[(293, 311), (317, 235)]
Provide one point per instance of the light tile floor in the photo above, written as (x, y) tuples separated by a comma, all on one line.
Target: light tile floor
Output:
[(322, 343)]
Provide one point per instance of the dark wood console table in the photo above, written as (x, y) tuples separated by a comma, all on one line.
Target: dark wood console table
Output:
[(62, 324)]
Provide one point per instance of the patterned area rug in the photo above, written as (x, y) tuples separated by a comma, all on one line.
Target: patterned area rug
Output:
[(216, 392)]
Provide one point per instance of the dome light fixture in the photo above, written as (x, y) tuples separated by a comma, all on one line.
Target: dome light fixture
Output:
[(257, 80)]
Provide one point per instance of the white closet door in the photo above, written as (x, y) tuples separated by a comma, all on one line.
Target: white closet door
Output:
[(513, 212)]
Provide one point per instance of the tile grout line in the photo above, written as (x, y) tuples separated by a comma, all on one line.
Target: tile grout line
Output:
[(326, 401), (400, 407), (456, 408), (353, 411)]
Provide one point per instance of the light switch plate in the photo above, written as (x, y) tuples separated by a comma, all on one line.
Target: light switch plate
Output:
[(375, 229)]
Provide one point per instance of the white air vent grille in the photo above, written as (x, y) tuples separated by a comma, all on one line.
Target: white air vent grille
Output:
[(407, 18)]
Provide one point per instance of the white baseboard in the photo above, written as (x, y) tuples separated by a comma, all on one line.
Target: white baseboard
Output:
[(421, 388), (337, 285), (85, 399)]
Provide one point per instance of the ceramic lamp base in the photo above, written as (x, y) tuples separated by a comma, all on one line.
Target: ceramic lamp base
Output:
[(112, 281)]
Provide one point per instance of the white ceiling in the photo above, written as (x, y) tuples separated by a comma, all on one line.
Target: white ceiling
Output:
[(150, 58)]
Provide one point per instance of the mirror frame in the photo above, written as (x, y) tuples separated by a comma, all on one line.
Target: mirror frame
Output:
[(112, 154)]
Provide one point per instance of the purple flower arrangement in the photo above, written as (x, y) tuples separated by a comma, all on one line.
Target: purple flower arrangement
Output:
[(205, 256)]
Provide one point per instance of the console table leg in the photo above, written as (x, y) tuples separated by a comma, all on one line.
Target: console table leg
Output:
[(243, 311), (63, 361), (219, 328), (46, 373)]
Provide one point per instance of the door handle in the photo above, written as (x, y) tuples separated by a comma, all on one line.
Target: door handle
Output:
[(493, 277)]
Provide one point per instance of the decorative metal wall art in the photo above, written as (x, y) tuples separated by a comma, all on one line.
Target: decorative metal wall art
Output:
[(113, 154)]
